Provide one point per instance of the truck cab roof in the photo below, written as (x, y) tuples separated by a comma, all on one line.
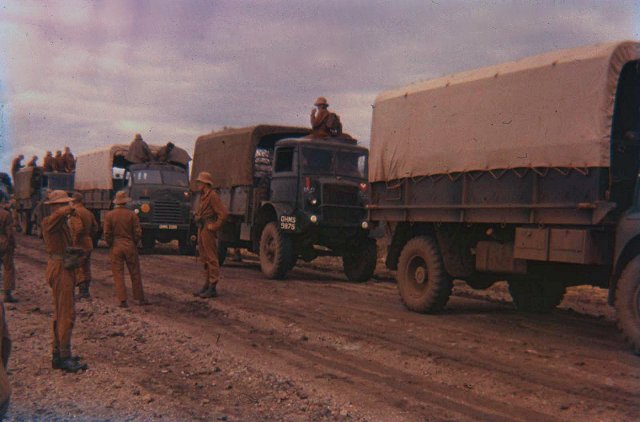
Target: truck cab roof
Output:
[(338, 142)]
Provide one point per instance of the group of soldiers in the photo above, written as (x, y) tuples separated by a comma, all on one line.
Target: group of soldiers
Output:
[(61, 162)]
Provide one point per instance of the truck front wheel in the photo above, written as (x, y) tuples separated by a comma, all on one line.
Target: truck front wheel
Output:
[(423, 282), (276, 252), (536, 295), (360, 264), (628, 303)]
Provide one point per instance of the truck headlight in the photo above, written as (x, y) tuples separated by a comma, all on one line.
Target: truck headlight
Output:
[(313, 201), (145, 208), (313, 218), (137, 211), (365, 225)]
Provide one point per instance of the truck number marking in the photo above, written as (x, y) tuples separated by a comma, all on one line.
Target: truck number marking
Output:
[(288, 223)]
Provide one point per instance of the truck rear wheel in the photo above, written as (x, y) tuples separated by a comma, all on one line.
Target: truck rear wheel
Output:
[(628, 303), (536, 295), (423, 282), (360, 264), (276, 252)]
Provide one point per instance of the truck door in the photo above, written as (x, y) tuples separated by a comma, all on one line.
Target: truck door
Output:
[(284, 182)]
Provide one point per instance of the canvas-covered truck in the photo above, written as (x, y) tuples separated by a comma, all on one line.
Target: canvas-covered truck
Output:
[(290, 197), (159, 191), (525, 172), (30, 190)]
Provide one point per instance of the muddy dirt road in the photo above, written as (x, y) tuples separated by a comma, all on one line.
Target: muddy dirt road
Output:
[(313, 347)]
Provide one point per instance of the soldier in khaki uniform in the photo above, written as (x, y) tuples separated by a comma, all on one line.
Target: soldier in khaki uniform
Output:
[(5, 351), (84, 228), (49, 162), (122, 233), (7, 248), (210, 216), (58, 162), (57, 238), (33, 162), (69, 160)]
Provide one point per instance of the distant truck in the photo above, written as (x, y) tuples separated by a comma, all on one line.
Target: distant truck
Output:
[(290, 197), (525, 172), (159, 191), (30, 190)]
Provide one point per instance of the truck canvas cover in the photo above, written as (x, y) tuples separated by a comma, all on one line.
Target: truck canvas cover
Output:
[(229, 155), (94, 170), (552, 110)]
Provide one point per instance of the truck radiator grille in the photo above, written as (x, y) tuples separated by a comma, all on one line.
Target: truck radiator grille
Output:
[(340, 216), (340, 195), (167, 212)]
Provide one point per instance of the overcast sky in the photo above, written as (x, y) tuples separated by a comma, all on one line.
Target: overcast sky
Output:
[(92, 73)]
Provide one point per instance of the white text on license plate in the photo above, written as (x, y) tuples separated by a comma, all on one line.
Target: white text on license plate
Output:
[(287, 222), (168, 226)]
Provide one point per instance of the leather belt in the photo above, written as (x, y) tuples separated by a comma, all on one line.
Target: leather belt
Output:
[(56, 257)]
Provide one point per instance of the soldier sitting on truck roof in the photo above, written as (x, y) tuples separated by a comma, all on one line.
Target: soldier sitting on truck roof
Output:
[(33, 162), (69, 160), (58, 162), (165, 152), (16, 165), (48, 162), (323, 122), (139, 151)]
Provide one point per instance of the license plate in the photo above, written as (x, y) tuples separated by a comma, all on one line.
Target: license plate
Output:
[(168, 226), (287, 223)]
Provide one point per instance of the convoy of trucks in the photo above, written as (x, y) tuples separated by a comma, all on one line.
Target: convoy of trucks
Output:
[(525, 172), (159, 192), (290, 196)]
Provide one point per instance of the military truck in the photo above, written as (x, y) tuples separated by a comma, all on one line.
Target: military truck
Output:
[(30, 190), (525, 172), (159, 191), (290, 196)]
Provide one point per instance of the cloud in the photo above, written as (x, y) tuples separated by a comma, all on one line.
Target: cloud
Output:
[(86, 74)]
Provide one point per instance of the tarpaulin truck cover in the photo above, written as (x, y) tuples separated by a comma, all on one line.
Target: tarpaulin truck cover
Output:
[(94, 169), (229, 155), (551, 110)]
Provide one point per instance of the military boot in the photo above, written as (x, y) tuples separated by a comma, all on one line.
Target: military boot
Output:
[(210, 292), (204, 288), (56, 361), (72, 365), (124, 304), (8, 297), (83, 290)]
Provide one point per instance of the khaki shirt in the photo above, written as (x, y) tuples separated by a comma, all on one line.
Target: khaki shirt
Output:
[(7, 234), (69, 162), (48, 163), (56, 231), (122, 225), (84, 227), (211, 208)]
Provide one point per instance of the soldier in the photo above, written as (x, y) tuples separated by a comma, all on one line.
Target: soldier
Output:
[(84, 228), (165, 152), (210, 215), (61, 278), (122, 233), (5, 351), (33, 162), (323, 122), (58, 162), (7, 248), (139, 151), (16, 165), (69, 160), (48, 162)]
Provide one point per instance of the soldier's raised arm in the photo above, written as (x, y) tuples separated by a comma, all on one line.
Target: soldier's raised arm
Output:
[(57, 218)]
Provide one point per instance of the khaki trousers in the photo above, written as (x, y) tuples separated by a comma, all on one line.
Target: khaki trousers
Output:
[(62, 283), (208, 250), (83, 272), (126, 253)]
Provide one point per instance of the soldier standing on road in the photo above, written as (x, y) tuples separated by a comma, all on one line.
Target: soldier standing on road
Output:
[(48, 162), (33, 162), (69, 160), (7, 248), (16, 165), (210, 214), (122, 233), (61, 279), (58, 162), (84, 228), (5, 351)]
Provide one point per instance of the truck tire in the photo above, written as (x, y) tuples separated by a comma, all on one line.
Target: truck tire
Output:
[(536, 295), (628, 303), (222, 252), (423, 282), (148, 242), (360, 264), (276, 252)]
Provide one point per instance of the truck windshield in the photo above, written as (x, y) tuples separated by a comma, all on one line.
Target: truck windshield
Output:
[(334, 162), (158, 177)]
